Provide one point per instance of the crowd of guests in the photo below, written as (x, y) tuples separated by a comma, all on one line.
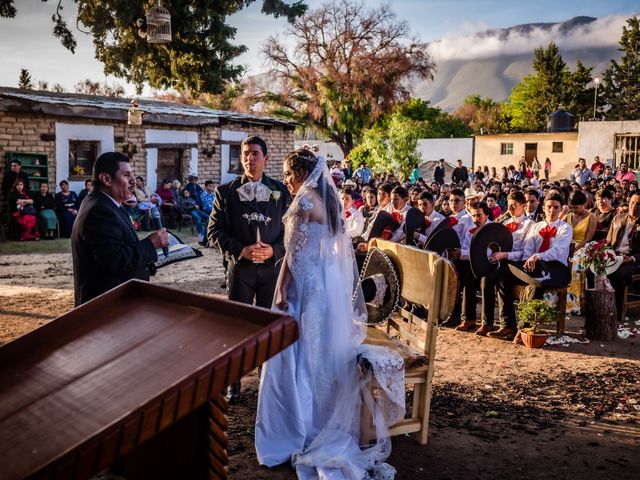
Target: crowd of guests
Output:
[(549, 221), (35, 213)]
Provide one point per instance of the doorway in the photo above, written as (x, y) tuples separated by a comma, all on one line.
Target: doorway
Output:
[(530, 151), (169, 165)]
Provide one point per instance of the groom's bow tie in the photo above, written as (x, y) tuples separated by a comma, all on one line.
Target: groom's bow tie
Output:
[(254, 190)]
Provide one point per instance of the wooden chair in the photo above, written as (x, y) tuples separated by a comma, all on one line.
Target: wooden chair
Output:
[(430, 281), (630, 299), (188, 219)]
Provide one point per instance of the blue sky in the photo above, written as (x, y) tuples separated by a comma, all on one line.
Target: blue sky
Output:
[(26, 41)]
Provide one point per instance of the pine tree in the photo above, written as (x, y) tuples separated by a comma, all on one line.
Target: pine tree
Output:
[(621, 81), (24, 81)]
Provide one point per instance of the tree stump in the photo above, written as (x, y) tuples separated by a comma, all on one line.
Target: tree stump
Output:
[(600, 314)]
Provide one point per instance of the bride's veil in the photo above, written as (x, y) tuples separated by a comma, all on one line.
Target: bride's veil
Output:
[(337, 444)]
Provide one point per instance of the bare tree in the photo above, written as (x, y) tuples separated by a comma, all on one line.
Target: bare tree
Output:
[(89, 87), (348, 65)]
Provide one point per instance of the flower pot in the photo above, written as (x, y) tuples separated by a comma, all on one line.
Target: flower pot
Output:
[(533, 340)]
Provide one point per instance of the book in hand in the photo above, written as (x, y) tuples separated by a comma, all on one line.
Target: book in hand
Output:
[(176, 251)]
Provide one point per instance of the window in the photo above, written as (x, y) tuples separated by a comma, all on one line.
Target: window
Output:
[(506, 149), (234, 159), (628, 150), (82, 155), (556, 147)]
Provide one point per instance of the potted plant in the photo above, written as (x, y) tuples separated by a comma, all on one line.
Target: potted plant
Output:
[(532, 314)]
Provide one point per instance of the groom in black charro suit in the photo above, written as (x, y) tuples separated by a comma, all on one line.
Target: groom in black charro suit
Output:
[(246, 225)]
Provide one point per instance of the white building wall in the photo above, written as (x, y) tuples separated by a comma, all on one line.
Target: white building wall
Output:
[(598, 138), (451, 149)]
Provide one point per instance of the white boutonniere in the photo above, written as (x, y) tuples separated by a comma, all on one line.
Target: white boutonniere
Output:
[(276, 194)]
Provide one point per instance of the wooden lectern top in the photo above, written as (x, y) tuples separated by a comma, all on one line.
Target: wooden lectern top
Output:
[(92, 385)]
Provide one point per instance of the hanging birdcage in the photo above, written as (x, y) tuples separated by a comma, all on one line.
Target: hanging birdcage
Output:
[(135, 113), (158, 24)]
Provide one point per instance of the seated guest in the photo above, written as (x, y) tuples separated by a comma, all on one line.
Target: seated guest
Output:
[(384, 197), (368, 208), (624, 238), (88, 188), (431, 217), (22, 212), (188, 206), (545, 242), (207, 197), (534, 208), (492, 203), (583, 223), (145, 209), (518, 224), (414, 192), (604, 212), (194, 189), (45, 205), (176, 190), (67, 205), (400, 207), (461, 222), (480, 214), (168, 205), (354, 221)]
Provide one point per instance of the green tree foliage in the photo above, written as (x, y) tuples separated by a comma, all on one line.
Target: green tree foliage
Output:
[(198, 59), (481, 115), (24, 81), (347, 67), (552, 84), (621, 81), (390, 146)]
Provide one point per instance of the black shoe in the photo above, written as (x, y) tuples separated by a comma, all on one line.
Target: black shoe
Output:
[(233, 393), (451, 321)]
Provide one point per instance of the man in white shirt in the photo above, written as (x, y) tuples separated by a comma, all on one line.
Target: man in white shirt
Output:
[(461, 222), (384, 197), (400, 207), (432, 218), (546, 242), (480, 214), (354, 221), (518, 224)]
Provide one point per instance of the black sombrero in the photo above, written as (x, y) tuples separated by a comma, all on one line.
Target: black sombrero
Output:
[(442, 239), (546, 274), (379, 223), (494, 236), (413, 221), (380, 286)]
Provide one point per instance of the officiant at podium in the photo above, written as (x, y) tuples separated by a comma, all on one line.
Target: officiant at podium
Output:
[(246, 225)]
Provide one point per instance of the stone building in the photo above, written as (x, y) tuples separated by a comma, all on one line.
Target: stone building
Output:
[(59, 135)]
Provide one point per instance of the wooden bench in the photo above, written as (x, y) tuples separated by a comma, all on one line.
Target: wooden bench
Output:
[(430, 281)]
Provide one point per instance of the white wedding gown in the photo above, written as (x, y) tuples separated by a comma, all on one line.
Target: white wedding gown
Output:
[(311, 394)]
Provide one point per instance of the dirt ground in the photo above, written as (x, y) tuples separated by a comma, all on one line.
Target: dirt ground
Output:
[(499, 410)]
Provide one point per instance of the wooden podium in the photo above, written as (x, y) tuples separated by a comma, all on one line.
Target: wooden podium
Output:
[(134, 377)]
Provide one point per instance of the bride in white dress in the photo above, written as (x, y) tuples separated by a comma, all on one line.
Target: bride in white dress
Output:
[(311, 394)]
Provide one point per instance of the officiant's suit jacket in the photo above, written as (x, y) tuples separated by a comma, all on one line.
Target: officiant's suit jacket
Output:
[(616, 234), (230, 225), (105, 248)]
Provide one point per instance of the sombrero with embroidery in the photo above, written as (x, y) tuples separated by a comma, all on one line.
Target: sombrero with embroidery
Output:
[(413, 221), (380, 285), (442, 239), (493, 237), (545, 275)]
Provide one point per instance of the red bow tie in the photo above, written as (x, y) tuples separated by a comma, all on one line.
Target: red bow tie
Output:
[(473, 230), (513, 226), (397, 216), (453, 221), (427, 223), (547, 233), (347, 214)]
